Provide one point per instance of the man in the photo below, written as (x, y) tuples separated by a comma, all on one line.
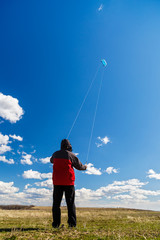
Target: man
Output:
[(63, 179)]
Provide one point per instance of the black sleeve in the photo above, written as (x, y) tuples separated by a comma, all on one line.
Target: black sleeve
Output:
[(77, 163), (53, 156)]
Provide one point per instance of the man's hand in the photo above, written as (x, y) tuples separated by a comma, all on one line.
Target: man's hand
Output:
[(85, 166)]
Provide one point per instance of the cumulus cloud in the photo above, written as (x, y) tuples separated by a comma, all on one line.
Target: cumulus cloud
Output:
[(10, 109), (45, 160), (16, 137), (92, 170), (4, 148), (129, 191), (27, 185), (47, 183), (30, 174), (9, 194), (3, 159), (152, 174), (6, 188), (102, 141), (4, 140), (123, 197), (26, 159), (38, 192), (46, 175), (110, 170), (131, 182), (30, 196), (100, 7), (44, 198), (88, 194)]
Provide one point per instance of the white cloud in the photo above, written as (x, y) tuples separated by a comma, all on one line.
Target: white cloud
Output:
[(18, 152), (110, 170), (16, 137), (10, 108), (103, 141), (6, 188), (27, 185), (92, 170), (45, 160), (4, 148), (26, 159), (88, 194), (126, 193), (9, 194), (33, 151), (4, 139), (99, 144), (30, 174), (46, 175), (48, 183), (152, 174), (3, 159), (131, 182), (38, 193), (100, 7), (28, 197), (76, 154), (123, 197)]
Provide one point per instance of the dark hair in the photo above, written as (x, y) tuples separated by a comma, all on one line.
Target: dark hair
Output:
[(65, 145)]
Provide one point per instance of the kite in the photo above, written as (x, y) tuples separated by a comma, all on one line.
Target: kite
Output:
[(103, 61)]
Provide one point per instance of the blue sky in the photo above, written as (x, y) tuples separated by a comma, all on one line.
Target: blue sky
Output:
[(49, 53)]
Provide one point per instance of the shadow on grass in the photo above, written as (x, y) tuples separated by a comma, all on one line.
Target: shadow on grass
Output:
[(17, 229)]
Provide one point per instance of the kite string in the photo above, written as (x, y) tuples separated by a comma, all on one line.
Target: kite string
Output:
[(94, 118), (83, 102)]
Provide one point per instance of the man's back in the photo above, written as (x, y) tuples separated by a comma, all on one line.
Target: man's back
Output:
[(63, 172), (63, 180)]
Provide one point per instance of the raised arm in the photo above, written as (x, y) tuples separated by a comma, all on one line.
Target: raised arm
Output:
[(77, 163)]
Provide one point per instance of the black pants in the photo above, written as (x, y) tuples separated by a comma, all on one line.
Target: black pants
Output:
[(57, 198)]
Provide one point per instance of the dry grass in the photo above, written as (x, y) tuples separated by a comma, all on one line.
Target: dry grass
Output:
[(92, 224)]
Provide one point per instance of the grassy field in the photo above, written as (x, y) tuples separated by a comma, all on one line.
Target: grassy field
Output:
[(92, 224)]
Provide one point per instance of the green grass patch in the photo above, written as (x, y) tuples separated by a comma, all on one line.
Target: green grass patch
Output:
[(92, 223)]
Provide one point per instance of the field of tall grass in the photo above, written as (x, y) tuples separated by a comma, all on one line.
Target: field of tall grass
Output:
[(92, 223)]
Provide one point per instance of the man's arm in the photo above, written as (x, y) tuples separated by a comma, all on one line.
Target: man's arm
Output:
[(77, 163)]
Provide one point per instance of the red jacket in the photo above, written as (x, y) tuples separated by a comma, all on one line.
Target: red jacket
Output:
[(63, 163)]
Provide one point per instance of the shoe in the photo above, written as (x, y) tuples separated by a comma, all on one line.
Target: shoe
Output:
[(55, 225), (71, 225)]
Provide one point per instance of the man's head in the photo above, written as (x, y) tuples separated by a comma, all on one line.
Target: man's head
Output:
[(65, 145)]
